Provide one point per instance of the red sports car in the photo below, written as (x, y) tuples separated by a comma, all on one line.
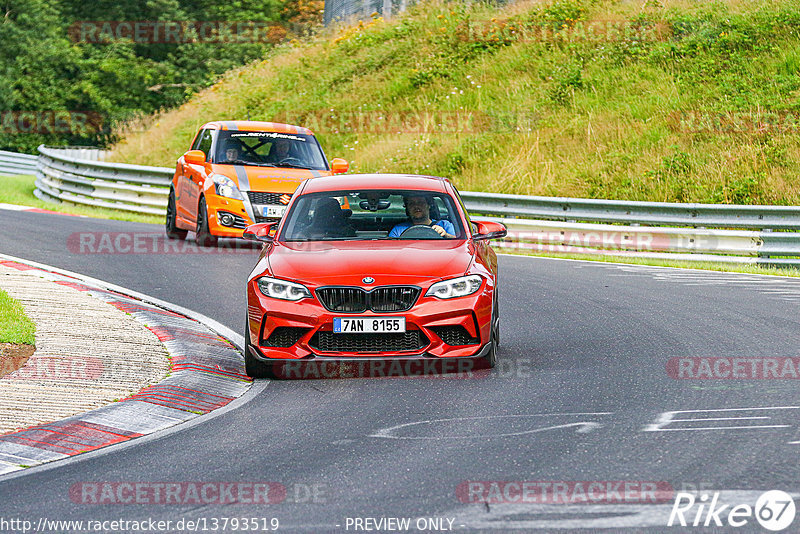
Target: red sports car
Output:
[(366, 268)]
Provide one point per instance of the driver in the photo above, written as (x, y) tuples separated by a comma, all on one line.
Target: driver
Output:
[(419, 211), (279, 150)]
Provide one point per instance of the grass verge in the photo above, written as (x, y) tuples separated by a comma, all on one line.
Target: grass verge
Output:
[(18, 190), (15, 327)]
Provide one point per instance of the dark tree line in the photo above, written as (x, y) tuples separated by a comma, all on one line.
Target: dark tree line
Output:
[(58, 86)]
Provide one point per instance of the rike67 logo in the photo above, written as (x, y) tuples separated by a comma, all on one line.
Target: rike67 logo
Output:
[(774, 510)]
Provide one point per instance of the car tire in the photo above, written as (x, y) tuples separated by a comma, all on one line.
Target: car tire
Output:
[(494, 340), (253, 367), (173, 232), (491, 357), (203, 235), (496, 319)]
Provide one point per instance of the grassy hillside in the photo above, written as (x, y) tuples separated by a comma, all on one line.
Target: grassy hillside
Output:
[(666, 100)]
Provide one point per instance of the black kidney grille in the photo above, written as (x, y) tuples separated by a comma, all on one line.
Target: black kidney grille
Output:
[(455, 335), (380, 299), (258, 197), (392, 299), (412, 340), (343, 299), (284, 336)]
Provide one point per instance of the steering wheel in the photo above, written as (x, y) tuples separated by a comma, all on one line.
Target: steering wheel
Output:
[(420, 232), (291, 161)]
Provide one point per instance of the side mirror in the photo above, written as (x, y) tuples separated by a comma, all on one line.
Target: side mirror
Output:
[(195, 157), (489, 230), (339, 165), (260, 232)]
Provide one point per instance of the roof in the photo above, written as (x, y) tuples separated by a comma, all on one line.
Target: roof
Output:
[(340, 182), (258, 126)]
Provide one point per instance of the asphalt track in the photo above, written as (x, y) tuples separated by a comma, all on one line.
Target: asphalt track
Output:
[(581, 395)]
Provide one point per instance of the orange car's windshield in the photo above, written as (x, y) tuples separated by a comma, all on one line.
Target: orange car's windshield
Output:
[(372, 214), (269, 149)]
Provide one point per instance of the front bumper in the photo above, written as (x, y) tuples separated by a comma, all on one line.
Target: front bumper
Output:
[(243, 212), (419, 366), (308, 328)]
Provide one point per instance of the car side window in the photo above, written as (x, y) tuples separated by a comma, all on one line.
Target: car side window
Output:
[(197, 139), (441, 207), (205, 139)]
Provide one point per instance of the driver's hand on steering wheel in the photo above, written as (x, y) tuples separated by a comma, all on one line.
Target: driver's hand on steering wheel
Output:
[(441, 231)]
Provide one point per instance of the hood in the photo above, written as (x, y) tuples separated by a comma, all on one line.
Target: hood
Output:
[(272, 179), (388, 262)]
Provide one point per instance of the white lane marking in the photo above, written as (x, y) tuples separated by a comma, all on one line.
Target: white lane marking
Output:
[(667, 418), (583, 426), (14, 207), (719, 428), (722, 418)]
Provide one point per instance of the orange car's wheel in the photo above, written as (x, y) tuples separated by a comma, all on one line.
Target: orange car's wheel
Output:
[(204, 237), (173, 232)]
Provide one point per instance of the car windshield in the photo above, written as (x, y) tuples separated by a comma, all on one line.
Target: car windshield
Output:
[(372, 214), (269, 149)]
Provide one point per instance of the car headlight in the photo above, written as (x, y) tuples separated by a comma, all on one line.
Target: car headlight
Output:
[(455, 287), (282, 289), (225, 187)]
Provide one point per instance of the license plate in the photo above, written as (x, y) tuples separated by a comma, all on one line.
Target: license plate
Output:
[(368, 325), (274, 211)]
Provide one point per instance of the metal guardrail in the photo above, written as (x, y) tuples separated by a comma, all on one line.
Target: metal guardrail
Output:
[(346, 10), (689, 244), (79, 176), (633, 212), (13, 163), (708, 232)]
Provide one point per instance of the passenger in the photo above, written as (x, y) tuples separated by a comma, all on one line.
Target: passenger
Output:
[(330, 220), (232, 150)]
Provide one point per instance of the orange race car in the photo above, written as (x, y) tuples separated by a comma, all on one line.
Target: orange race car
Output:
[(239, 173)]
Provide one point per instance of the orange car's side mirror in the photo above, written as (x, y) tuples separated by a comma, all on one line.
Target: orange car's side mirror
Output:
[(195, 157), (339, 165), (260, 232), (489, 230)]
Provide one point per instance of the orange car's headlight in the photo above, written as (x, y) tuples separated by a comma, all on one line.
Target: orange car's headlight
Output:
[(225, 187)]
